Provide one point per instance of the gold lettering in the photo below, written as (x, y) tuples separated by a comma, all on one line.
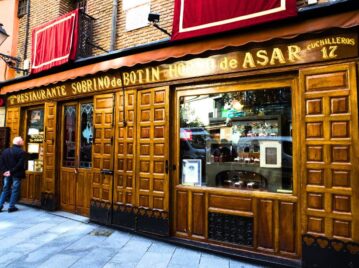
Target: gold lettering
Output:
[(73, 86), (101, 83), (172, 70), (126, 78), (48, 93), (155, 74), (43, 94), (140, 76), (248, 60), (94, 84), (224, 64), (89, 85), (132, 77), (53, 92), (293, 53), (263, 55), (277, 55), (233, 64), (107, 82), (63, 90), (34, 97), (83, 86)]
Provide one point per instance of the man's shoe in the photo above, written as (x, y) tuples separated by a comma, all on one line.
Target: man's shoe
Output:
[(1, 208), (13, 209)]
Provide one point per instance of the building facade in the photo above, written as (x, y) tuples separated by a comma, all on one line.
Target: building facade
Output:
[(244, 142)]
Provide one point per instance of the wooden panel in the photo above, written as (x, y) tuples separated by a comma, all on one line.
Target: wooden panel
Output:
[(50, 164), (31, 189), (342, 228), (341, 178), (83, 191), (68, 190), (315, 225), (315, 200), (265, 224), (315, 177), (182, 211), (315, 130), (327, 81), (230, 202), (314, 106), (341, 203), (103, 149), (198, 214), (152, 149), (125, 136), (330, 162), (13, 121), (287, 227)]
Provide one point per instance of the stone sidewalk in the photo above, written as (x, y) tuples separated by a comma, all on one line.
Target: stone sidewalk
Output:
[(36, 238)]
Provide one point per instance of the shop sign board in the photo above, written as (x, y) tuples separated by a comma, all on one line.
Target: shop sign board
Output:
[(326, 48)]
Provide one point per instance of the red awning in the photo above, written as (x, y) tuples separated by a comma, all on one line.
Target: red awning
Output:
[(203, 17), (344, 20), (55, 43)]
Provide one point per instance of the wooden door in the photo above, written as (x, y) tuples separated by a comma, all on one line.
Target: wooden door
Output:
[(125, 153), (152, 182), (330, 152), (103, 150), (76, 158)]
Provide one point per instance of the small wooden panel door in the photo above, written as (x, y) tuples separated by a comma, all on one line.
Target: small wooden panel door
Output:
[(124, 182), (50, 165), (76, 160), (103, 148), (153, 148), (13, 121), (330, 152)]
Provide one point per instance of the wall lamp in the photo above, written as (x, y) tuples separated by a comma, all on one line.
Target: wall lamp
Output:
[(12, 62), (154, 18)]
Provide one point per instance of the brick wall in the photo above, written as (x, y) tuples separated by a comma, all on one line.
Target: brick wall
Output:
[(40, 12), (43, 11)]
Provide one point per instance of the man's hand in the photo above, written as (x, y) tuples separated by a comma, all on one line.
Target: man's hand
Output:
[(6, 174)]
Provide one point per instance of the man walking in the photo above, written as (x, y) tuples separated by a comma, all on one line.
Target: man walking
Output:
[(12, 166)]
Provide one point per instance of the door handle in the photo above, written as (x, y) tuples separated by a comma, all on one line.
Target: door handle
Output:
[(166, 166), (107, 171)]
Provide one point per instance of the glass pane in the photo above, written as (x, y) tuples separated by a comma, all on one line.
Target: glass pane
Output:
[(35, 139), (86, 135), (69, 149), (239, 140)]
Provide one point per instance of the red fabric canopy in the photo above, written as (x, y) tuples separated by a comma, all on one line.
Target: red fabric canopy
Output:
[(55, 42), (202, 17)]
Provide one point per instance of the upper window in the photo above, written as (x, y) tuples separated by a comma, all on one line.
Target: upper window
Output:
[(136, 13), (237, 140), (22, 10)]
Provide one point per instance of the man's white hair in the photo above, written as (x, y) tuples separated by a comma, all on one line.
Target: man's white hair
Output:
[(17, 141)]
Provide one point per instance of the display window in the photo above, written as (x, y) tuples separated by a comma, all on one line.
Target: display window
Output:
[(237, 139), (35, 139)]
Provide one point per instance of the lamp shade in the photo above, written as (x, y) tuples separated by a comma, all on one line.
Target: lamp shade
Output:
[(3, 34)]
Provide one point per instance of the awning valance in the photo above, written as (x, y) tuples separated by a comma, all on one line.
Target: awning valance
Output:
[(288, 31)]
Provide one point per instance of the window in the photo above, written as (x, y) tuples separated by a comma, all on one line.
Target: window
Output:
[(22, 8), (238, 140), (136, 13), (82, 4), (35, 139)]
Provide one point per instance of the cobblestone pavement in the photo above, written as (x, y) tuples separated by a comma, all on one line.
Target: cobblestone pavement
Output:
[(36, 238)]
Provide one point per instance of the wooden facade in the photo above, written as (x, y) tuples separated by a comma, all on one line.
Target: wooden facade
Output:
[(135, 183)]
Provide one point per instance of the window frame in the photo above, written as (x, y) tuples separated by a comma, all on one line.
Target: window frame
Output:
[(233, 86)]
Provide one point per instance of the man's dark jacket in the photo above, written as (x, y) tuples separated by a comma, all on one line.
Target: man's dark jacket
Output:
[(13, 159)]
